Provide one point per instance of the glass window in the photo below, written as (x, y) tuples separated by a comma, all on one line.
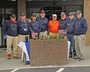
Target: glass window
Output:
[(32, 10), (12, 0), (54, 0), (9, 10)]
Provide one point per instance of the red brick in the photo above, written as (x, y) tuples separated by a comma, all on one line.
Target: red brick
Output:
[(48, 52)]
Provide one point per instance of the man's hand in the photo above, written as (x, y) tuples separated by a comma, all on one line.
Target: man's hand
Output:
[(62, 31), (34, 34), (5, 36)]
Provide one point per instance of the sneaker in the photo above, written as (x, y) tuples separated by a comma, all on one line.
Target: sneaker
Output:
[(27, 62), (81, 58), (76, 57), (15, 56), (8, 56), (70, 54)]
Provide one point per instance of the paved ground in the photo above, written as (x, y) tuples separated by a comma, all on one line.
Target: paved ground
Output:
[(72, 69), (6, 65)]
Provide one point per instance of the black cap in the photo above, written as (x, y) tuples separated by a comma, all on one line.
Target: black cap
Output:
[(42, 11), (72, 13), (13, 16), (34, 14), (63, 13), (22, 14), (78, 11)]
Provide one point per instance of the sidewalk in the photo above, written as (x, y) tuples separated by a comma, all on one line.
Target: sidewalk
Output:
[(18, 63)]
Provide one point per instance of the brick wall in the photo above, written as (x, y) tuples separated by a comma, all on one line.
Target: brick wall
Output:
[(21, 7), (48, 52), (87, 16)]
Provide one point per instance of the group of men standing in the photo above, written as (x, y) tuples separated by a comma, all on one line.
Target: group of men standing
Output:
[(74, 26), (16, 32)]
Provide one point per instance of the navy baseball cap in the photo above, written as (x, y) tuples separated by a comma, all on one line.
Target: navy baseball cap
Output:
[(78, 12), (42, 11), (34, 14), (22, 14), (63, 13), (72, 13), (13, 16)]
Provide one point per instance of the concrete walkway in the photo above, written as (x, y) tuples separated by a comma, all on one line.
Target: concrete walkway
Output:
[(18, 63)]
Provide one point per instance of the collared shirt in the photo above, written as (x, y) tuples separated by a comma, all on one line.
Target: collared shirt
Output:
[(53, 26)]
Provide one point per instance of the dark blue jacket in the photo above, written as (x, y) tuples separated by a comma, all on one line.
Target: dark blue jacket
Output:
[(10, 28), (23, 27), (71, 26), (35, 27), (43, 23), (63, 24), (80, 26)]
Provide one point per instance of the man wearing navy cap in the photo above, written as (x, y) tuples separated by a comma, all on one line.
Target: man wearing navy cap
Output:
[(43, 21), (70, 34), (12, 36), (34, 26), (63, 22), (23, 30), (80, 33)]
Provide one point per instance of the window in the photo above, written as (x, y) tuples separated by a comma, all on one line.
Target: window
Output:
[(12, 0), (54, 0)]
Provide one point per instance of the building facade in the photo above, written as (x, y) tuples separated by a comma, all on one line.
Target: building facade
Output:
[(7, 7)]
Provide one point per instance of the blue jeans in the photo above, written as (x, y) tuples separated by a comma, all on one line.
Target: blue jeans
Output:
[(70, 38)]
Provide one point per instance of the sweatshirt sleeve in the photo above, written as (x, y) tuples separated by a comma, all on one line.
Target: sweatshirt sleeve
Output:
[(39, 28), (46, 22), (84, 26), (49, 25), (30, 28), (5, 28)]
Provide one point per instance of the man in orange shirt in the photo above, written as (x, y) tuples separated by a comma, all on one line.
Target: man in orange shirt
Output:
[(54, 27)]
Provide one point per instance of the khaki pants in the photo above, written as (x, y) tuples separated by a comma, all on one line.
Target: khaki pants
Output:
[(21, 38), (11, 40), (79, 45), (43, 35), (54, 35)]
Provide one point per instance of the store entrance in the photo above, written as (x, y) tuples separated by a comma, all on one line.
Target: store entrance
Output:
[(7, 7), (53, 10), (48, 10), (53, 6)]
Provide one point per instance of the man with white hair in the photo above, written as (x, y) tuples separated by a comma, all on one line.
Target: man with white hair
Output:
[(80, 33)]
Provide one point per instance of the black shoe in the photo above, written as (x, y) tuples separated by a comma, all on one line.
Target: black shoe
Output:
[(70, 56), (81, 58), (76, 57)]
